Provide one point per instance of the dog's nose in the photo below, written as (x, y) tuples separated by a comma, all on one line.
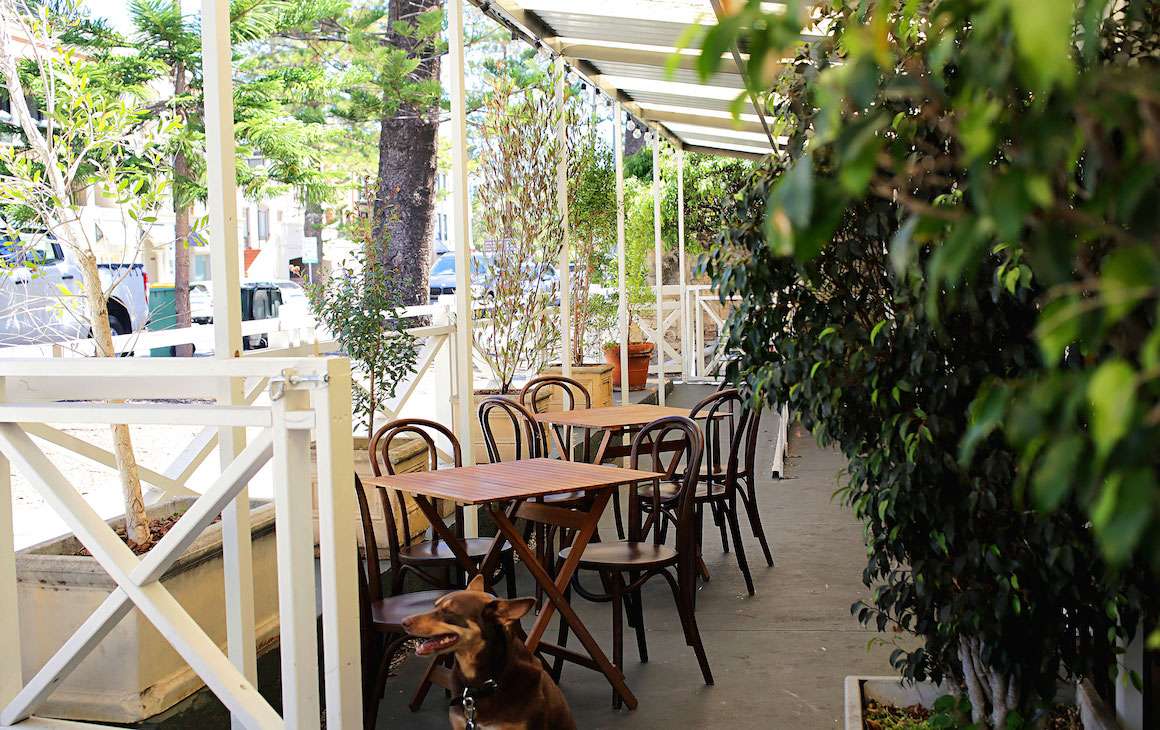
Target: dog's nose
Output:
[(407, 623)]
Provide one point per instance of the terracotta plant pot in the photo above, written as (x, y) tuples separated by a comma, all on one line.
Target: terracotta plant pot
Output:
[(639, 356)]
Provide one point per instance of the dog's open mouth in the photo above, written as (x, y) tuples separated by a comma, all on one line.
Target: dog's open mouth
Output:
[(436, 644)]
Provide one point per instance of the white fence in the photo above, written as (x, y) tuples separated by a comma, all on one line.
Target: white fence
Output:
[(307, 395)]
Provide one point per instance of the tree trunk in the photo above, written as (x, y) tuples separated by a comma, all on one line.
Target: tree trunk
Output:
[(312, 228), (136, 521), (405, 197), (181, 215)]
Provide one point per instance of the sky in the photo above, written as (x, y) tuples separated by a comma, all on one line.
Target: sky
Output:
[(117, 12)]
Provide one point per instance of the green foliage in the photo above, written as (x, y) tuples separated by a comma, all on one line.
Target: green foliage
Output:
[(924, 279), (360, 303), (1039, 113)]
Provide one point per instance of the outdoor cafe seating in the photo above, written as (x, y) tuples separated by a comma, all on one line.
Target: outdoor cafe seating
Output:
[(678, 462)]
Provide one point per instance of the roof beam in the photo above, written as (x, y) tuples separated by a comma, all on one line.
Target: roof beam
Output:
[(588, 50), (722, 152), (701, 120)]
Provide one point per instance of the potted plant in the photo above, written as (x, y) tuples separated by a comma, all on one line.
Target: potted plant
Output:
[(592, 231), (518, 325), (360, 303)]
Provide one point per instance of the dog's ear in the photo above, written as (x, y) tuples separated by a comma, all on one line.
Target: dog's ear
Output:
[(512, 610), (477, 584)]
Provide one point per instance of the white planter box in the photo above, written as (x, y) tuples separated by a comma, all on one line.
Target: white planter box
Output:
[(133, 673), (892, 690)]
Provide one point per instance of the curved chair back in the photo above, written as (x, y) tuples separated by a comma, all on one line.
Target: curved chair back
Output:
[(670, 444), (529, 439), (573, 395), (372, 581), (379, 452), (727, 431)]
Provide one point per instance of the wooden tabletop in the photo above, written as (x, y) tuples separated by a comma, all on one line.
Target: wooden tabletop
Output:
[(508, 480), (611, 417)]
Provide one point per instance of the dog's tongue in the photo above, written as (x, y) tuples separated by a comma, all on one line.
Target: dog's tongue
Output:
[(430, 646)]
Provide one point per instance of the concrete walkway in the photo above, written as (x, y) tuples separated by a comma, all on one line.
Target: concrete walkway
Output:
[(778, 657)]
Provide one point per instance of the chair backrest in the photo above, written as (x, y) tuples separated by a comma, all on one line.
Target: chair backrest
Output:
[(673, 445), (372, 581), (569, 388), (529, 439), (727, 432), (380, 456)]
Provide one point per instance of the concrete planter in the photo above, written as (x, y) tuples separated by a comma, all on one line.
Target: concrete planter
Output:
[(133, 674), (596, 379), (892, 690), (501, 425)]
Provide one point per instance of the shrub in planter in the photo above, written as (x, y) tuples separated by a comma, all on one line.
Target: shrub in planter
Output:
[(864, 336)]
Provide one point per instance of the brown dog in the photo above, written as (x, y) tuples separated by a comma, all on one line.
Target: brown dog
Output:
[(499, 684)]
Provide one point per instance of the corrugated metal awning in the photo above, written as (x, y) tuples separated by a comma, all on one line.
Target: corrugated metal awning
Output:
[(626, 48)]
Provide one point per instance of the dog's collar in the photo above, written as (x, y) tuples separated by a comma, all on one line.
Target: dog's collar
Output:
[(474, 693)]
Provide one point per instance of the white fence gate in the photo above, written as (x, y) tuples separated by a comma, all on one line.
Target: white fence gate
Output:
[(307, 394)]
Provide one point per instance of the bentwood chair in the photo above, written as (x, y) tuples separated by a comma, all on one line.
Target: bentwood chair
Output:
[(381, 617), (626, 565), (528, 437), (432, 561), (726, 425), (573, 396)]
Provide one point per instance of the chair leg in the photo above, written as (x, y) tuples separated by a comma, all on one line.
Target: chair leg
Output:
[(719, 520), (616, 514), (617, 630), (509, 567), (561, 639), (636, 619), (755, 522), (689, 622), (730, 513)]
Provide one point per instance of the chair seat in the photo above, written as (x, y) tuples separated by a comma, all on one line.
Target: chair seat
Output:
[(624, 556), (387, 615), (438, 552), (669, 491)]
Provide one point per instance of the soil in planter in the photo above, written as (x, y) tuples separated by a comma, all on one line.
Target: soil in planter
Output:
[(878, 716), (157, 530)]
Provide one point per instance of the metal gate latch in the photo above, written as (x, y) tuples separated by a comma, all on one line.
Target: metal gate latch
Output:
[(289, 379)]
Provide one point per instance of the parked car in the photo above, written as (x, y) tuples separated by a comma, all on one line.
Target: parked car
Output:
[(442, 278), (201, 302), (41, 297)]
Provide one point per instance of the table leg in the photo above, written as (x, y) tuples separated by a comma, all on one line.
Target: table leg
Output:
[(554, 589)]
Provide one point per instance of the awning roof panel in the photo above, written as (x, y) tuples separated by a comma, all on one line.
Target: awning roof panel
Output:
[(624, 48)]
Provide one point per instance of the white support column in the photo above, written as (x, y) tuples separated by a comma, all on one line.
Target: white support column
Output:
[(684, 318), (238, 563), (338, 549), (660, 335), (618, 157), (562, 206), (465, 428), (297, 618), (11, 679)]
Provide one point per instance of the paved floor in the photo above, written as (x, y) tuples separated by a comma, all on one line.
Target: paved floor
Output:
[(778, 657)]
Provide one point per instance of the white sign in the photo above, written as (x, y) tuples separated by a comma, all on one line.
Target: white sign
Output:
[(310, 250)]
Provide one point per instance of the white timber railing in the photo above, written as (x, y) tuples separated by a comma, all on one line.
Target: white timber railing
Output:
[(307, 395)]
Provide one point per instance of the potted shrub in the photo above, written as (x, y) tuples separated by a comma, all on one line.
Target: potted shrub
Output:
[(518, 324), (639, 352), (360, 303), (877, 306)]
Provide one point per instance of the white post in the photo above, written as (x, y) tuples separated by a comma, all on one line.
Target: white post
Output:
[(465, 429), (685, 339), (11, 679), (1129, 702), (238, 563), (660, 335), (618, 156), (562, 206), (338, 549), (297, 618)]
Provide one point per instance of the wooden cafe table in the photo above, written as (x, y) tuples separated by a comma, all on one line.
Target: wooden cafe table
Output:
[(612, 420), (505, 490)]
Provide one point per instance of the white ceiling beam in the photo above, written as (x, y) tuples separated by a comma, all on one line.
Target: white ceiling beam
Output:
[(702, 118)]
